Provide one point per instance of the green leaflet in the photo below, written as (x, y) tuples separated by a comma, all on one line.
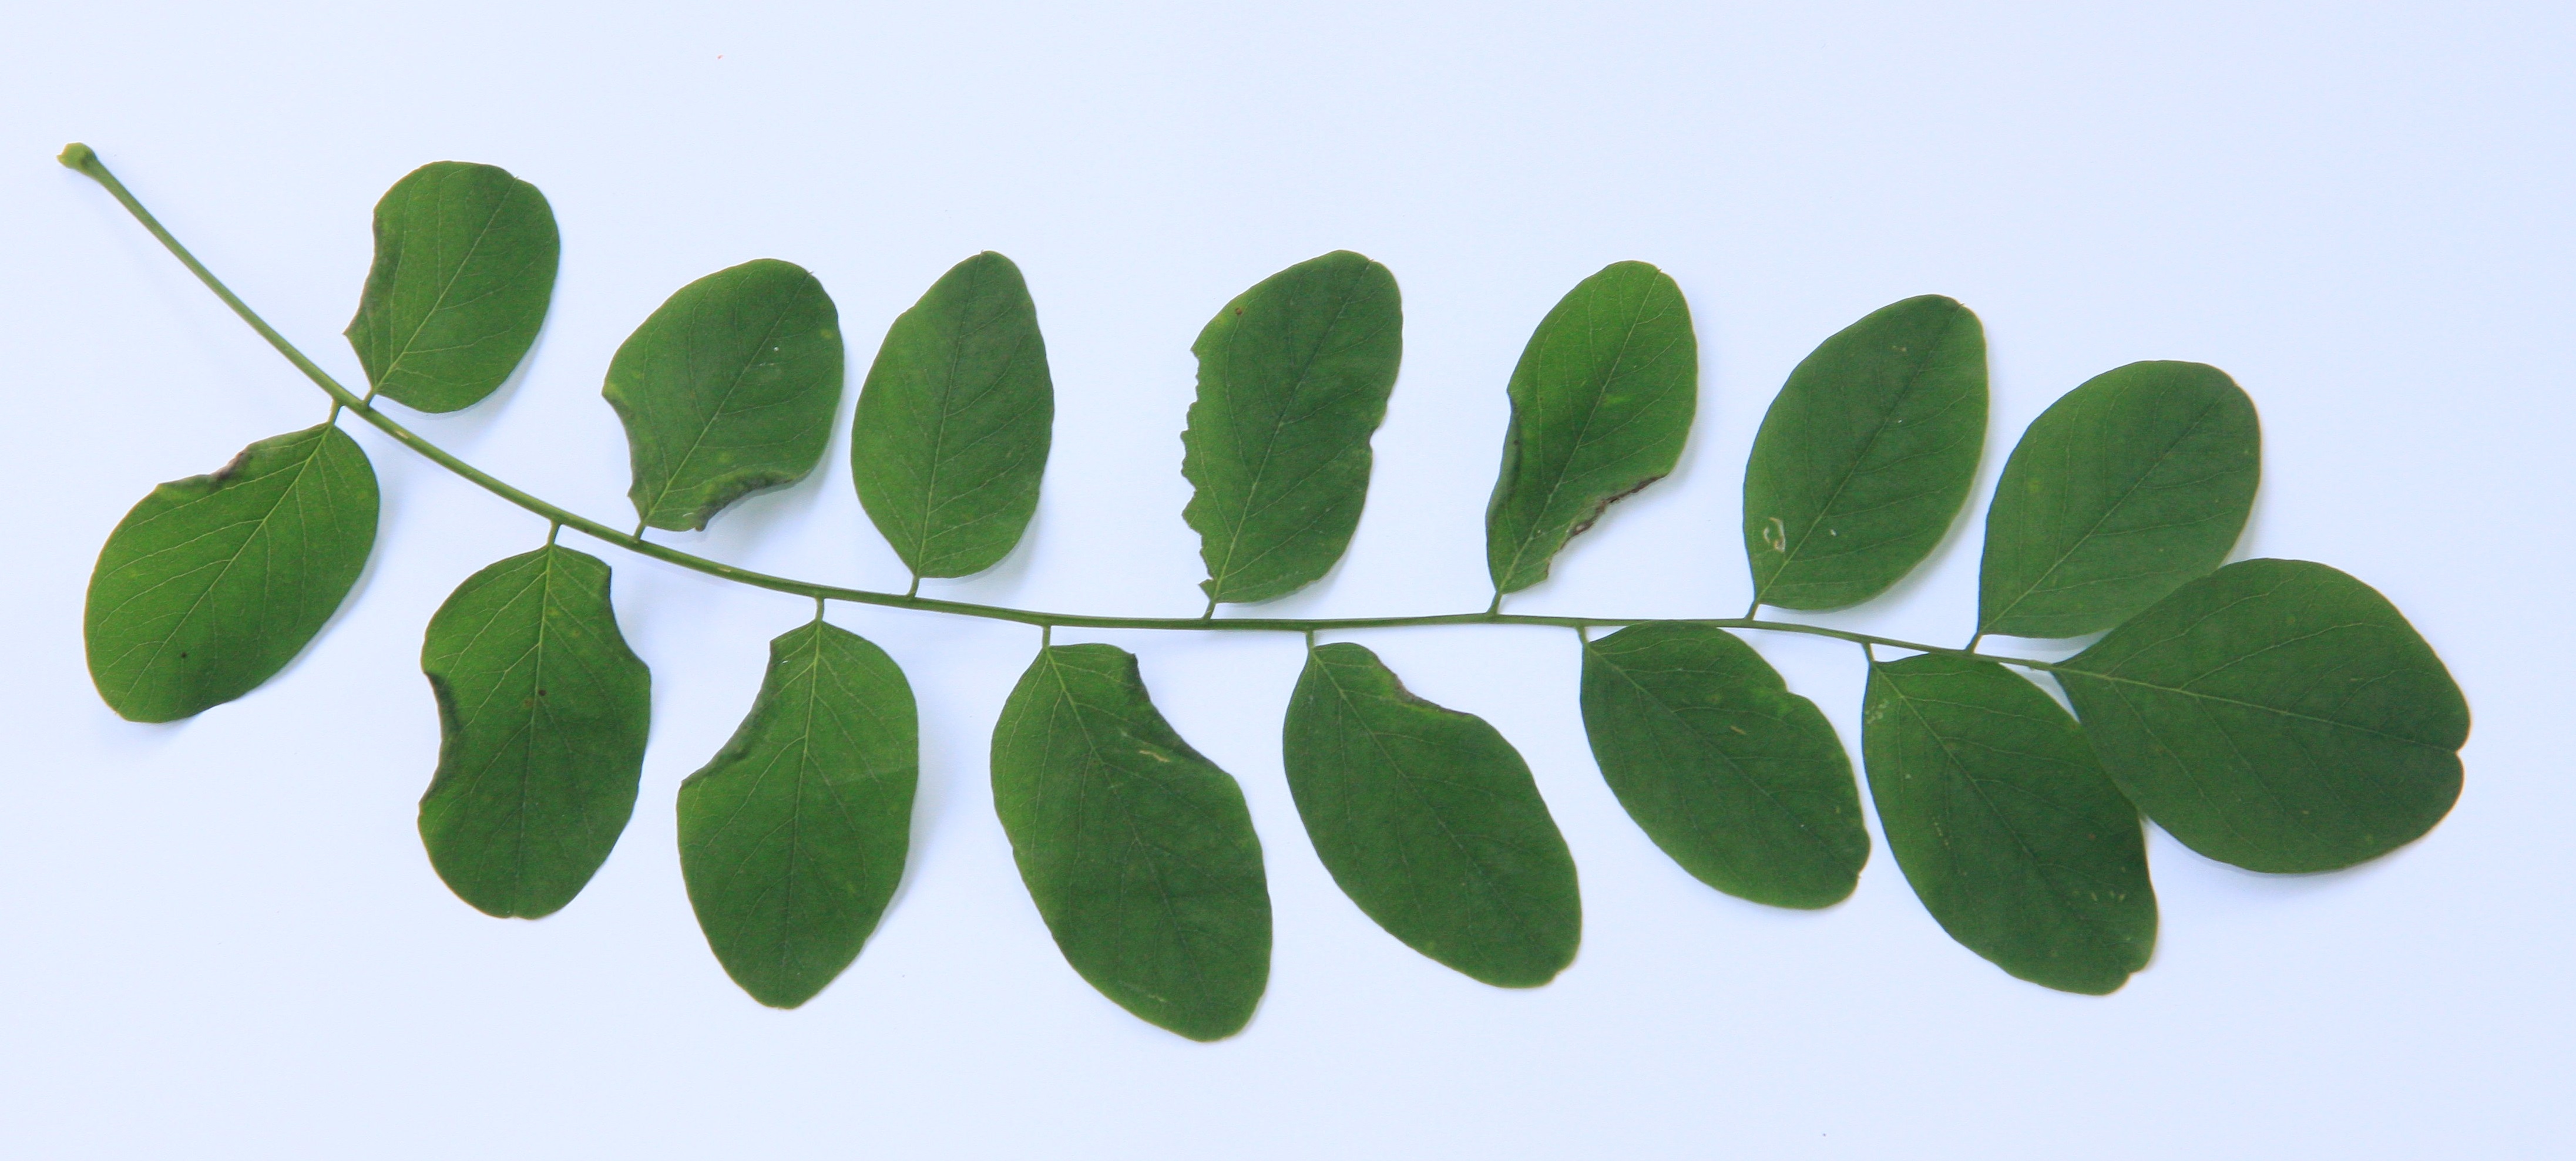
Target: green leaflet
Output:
[(1138, 852), (2004, 825), (727, 389), (1602, 401), (542, 713), (213, 583), (1741, 781), (1431, 822), (793, 838), (2275, 714), (2128, 486), (465, 263), (1866, 455), (953, 424), (1294, 376)]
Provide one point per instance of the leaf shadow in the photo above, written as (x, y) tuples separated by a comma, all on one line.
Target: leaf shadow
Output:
[(2251, 535), (119, 736), (736, 532)]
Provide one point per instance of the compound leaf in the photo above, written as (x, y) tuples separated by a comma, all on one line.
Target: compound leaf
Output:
[(465, 264), (2004, 824), (729, 388), (1866, 455), (2275, 714), (1742, 782), (213, 583), (1430, 821), (2128, 486), (954, 421), (1602, 401), (1139, 853), (542, 714), (793, 838), (1294, 376)]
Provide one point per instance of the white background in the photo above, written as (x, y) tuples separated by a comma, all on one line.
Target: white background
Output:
[(220, 938)]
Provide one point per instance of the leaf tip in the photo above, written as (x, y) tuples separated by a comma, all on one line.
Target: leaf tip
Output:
[(141, 712), (77, 156), (2091, 984), (1518, 977), (785, 998)]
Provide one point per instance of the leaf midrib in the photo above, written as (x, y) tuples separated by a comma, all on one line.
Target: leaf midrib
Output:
[(446, 287), (1813, 836), (717, 413), (537, 709), (1278, 422), (1582, 431), (939, 431), (1475, 866), (2076, 545), (258, 528), (810, 667), (1886, 419), (1135, 839), (2250, 705), (1950, 756)]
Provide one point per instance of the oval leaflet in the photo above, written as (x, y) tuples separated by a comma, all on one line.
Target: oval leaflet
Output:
[(1866, 455), (2004, 825), (1138, 852), (212, 584), (1429, 820), (1294, 376), (1602, 401), (465, 265), (542, 715), (2275, 714), (2123, 489), (729, 388), (792, 838), (1742, 782), (953, 425)]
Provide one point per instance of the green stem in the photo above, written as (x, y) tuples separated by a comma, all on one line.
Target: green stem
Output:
[(81, 158)]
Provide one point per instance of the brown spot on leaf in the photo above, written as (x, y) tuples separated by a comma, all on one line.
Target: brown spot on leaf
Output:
[(1587, 522)]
